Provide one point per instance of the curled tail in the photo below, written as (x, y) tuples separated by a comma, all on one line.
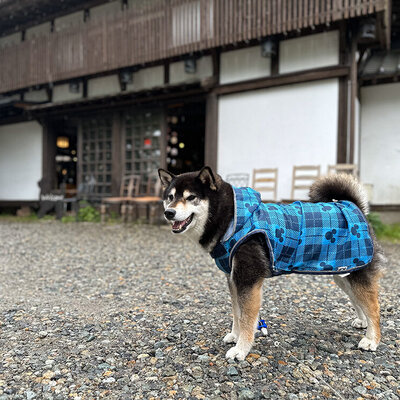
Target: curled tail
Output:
[(339, 187)]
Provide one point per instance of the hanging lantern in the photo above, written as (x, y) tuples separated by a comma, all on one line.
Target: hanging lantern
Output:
[(62, 142)]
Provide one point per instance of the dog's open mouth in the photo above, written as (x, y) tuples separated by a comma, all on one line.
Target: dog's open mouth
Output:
[(180, 226)]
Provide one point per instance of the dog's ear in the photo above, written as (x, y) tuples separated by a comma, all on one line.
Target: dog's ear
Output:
[(207, 177), (165, 177)]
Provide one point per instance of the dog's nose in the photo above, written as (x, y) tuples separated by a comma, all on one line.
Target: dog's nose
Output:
[(169, 214)]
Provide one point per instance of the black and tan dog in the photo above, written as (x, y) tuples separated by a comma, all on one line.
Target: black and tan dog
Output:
[(202, 206)]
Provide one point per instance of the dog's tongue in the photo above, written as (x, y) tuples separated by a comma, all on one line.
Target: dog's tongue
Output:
[(178, 224)]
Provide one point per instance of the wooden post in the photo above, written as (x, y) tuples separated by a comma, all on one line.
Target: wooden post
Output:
[(49, 154), (79, 171), (116, 154), (343, 100), (211, 134), (353, 97), (211, 139)]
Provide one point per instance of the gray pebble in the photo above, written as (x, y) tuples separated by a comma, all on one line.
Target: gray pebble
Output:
[(232, 371), (133, 310), (246, 395)]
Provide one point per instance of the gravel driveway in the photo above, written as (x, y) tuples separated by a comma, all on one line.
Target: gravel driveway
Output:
[(131, 312)]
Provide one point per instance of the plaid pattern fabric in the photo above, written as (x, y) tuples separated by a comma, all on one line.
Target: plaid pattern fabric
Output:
[(309, 238)]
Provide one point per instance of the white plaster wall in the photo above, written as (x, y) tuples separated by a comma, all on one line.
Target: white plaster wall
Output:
[(105, 10), (177, 72), (68, 21), (105, 85), (20, 161), (307, 52), (38, 30), (36, 95), (279, 127), (9, 40), (380, 142), (147, 78), (244, 64), (62, 93)]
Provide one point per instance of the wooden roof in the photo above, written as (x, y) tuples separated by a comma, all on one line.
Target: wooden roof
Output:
[(16, 15), (160, 29)]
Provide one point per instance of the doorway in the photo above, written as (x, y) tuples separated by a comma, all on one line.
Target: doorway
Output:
[(185, 137), (66, 158)]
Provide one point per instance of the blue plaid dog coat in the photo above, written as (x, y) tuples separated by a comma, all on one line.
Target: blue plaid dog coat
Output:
[(307, 238)]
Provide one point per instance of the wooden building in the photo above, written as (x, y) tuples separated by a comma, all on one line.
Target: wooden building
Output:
[(99, 89)]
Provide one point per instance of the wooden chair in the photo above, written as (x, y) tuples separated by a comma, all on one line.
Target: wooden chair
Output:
[(129, 188), (303, 177), (266, 180), (150, 199), (238, 180), (85, 193), (350, 169)]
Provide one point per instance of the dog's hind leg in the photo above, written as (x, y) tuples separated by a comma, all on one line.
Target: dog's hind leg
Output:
[(366, 295), (362, 288), (233, 336), (344, 284)]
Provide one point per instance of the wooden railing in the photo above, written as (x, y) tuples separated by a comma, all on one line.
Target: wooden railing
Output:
[(158, 29)]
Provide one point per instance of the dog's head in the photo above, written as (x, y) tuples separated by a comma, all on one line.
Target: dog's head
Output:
[(187, 199)]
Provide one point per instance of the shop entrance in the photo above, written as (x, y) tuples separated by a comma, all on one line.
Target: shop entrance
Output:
[(65, 134), (185, 137)]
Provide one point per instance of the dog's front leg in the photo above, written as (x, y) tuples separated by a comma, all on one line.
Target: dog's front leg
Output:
[(232, 337), (250, 267), (249, 300)]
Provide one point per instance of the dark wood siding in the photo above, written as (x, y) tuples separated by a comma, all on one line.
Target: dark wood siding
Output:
[(159, 29)]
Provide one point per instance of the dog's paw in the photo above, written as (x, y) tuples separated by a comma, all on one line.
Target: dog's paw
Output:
[(367, 344), (236, 352), (359, 323), (230, 338)]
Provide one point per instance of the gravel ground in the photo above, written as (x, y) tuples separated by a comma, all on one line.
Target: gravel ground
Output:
[(131, 312)]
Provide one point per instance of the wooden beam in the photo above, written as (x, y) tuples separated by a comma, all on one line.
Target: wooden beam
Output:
[(284, 79), (112, 102), (211, 137), (385, 207)]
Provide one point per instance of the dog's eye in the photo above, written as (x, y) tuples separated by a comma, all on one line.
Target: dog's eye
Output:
[(170, 197), (191, 197)]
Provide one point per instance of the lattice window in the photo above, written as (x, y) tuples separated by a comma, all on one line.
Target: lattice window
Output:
[(142, 141), (96, 158)]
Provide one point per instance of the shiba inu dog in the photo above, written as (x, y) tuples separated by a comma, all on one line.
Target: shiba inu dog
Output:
[(251, 241)]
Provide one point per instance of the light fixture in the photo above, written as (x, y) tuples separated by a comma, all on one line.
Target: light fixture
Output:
[(367, 30), (190, 65), (74, 87), (126, 76), (62, 142), (268, 48)]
